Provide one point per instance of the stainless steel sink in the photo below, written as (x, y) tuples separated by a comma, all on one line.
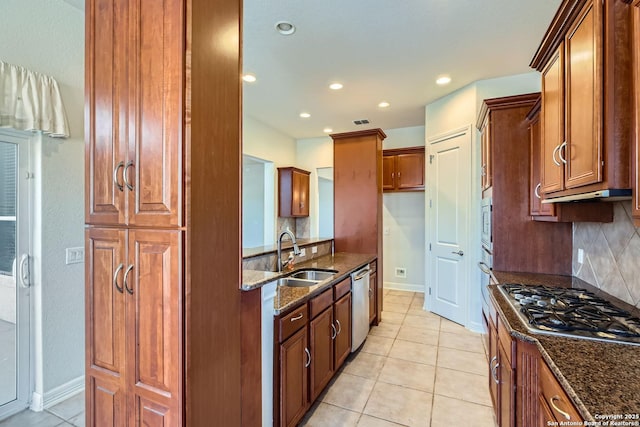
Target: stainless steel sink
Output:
[(290, 281), (318, 275)]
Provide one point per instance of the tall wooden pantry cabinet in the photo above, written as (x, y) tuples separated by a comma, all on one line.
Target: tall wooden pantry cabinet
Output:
[(357, 193), (162, 122)]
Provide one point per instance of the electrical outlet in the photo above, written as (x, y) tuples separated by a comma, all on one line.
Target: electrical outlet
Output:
[(401, 272), (580, 256), (303, 251), (74, 255), (386, 231), (314, 249)]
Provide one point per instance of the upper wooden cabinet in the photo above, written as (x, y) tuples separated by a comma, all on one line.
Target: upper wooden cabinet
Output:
[(134, 95), (636, 91), (403, 169), (293, 195), (538, 209), (585, 63), (485, 168)]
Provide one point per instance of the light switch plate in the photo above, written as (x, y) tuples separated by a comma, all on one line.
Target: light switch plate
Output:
[(580, 256), (314, 249), (303, 251), (74, 255)]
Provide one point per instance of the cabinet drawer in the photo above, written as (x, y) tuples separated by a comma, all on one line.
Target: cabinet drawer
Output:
[(293, 321), (505, 340), (321, 302), (554, 396), (342, 288)]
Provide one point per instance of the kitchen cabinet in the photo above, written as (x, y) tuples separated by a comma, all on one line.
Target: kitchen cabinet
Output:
[(322, 332), (133, 278), (528, 362), (635, 158), (509, 234), (155, 318), (501, 375), (556, 402), (486, 170), (294, 360), (293, 195), (357, 194), (342, 316), (403, 169), (539, 211), (586, 124)]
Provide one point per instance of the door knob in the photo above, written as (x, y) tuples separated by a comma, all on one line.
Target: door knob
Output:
[(458, 253)]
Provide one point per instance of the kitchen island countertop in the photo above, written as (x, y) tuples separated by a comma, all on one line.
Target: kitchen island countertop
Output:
[(601, 378)]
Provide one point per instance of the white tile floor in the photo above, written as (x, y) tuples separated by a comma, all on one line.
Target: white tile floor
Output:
[(415, 369)]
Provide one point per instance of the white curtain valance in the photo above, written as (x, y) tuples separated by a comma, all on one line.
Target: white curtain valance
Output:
[(31, 101)]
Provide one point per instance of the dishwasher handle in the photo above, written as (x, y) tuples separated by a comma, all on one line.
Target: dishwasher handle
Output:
[(360, 274)]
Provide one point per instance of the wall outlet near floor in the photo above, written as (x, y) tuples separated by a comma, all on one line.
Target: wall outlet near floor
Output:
[(401, 272), (303, 251), (74, 255), (580, 256), (314, 249)]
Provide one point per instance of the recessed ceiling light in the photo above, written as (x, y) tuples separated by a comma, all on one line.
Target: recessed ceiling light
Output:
[(327, 130), (250, 78), (335, 86), (305, 115), (383, 104), (285, 28), (443, 80)]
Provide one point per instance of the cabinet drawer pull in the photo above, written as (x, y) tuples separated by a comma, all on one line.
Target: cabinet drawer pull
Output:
[(298, 317), (125, 174), (339, 326), (334, 332), (552, 401), (115, 278), (115, 176), (536, 191), (126, 274), (306, 365), (494, 369), (553, 155)]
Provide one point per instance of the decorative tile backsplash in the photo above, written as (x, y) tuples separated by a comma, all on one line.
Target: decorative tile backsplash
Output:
[(267, 262), (611, 254)]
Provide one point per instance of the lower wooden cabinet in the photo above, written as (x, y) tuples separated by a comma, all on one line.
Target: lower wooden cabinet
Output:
[(295, 360), (342, 315), (322, 332), (635, 158), (506, 385), (560, 407)]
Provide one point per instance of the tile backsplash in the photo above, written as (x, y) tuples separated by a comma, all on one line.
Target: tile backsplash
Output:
[(267, 261), (611, 254)]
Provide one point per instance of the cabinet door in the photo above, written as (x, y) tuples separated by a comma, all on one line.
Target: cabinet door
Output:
[(537, 208), (294, 362), (322, 333), (300, 194), (388, 172), (410, 174), (583, 64), (545, 416), (493, 371), (636, 145), (154, 165), (506, 394), (373, 279), (528, 361), (342, 313), (486, 169), (105, 326), (552, 122), (106, 111), (153, 284)]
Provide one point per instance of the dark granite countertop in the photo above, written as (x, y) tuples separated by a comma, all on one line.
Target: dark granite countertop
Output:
[(286, 244), (288, 296), (601, 378)]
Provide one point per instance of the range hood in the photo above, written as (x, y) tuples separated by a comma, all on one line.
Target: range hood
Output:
[(611, 195)]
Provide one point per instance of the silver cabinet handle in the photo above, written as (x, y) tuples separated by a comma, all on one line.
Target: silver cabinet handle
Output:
[(125, 174), (298, 317), (115, 176), (552, 401), (562, 159), (306, 365), (494, 369), (484, 267), (115, 278), (553, 155), (334, 332), (536, 190), (461, 253), (126, 273), (339, 326)]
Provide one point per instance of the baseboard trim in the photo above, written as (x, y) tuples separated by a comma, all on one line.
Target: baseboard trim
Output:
[(62, 392), (410, 287), (475, 327)]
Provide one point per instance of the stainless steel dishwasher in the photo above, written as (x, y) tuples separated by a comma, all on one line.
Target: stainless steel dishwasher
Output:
[(359, 307)]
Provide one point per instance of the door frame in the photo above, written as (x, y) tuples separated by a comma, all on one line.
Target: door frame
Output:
[(472, 216), (24, 237)]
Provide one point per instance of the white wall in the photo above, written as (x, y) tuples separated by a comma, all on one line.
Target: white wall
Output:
[(403, 223), (457, 110), (47, 36), (253, 203)]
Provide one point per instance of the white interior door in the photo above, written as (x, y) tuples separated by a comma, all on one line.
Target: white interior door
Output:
[(450, 194), (14, 274)]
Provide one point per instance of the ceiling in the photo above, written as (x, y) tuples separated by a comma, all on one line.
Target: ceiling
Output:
[(380, 50)]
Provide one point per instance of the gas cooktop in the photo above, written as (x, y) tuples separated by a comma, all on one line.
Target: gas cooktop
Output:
[(571, 312)]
